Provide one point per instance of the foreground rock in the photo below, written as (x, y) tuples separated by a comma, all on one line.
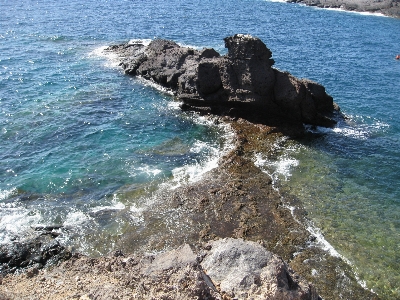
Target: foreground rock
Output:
[(240, 84), (246, 270), (33, 254), (224, 269), (387, 7)]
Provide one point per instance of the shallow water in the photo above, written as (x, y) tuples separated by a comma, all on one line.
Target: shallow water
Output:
[(80, 141)]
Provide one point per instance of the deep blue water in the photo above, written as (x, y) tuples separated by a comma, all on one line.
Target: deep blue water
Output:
[(75, 130)]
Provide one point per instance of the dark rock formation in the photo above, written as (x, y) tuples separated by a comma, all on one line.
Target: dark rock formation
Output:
[(35, 253), (239, 84), (387, 7)]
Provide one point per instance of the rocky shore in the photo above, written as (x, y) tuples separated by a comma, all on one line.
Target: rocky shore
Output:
[(226, 227), (389, 8)]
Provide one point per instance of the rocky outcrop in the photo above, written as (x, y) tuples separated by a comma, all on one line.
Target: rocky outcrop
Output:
[(387, 7), (35, 253), (224, 269), (242, 83)]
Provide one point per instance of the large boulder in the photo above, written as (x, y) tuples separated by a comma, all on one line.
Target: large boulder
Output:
[(242, 83), (246, 270)]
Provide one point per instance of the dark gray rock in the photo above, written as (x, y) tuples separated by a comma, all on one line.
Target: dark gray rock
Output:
[(242, 83), (37, 252)]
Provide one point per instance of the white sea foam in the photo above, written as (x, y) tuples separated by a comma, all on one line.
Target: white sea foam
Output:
[(15, 222), (75, 218), (364, 13), (191, 46), (4, 194), (175, 105), (281, 1), (112, 59), (321, 242), (115, 205), (194, 172), (154, 85), (281, 167), (151, 172), (352, 127), (136, 213)]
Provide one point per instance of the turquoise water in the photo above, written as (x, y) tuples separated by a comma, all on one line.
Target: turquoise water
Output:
[(75, 131)]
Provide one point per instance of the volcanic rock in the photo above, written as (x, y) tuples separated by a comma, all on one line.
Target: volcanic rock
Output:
[(40, 251), (242, 83)]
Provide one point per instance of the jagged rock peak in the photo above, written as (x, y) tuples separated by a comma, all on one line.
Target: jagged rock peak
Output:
[(244, 46)]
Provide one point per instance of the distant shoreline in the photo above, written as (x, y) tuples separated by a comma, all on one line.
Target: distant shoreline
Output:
[(390, 8)]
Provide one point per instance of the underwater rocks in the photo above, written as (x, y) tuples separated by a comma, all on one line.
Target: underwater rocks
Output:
[(242, 83), (224, 269), (387, 7)]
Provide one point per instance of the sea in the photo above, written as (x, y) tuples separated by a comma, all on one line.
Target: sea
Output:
[(80, 141)]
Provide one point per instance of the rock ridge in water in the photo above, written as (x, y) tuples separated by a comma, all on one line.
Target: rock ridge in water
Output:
[(242, 83)]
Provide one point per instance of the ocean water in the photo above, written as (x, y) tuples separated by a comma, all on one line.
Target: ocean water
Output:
[(77, 136)]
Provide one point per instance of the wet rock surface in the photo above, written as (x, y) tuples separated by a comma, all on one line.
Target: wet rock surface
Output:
[(242, 83), (35, 253), (387, 7)]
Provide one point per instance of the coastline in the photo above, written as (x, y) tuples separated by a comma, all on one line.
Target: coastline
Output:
[(237, 200), (388, 8)]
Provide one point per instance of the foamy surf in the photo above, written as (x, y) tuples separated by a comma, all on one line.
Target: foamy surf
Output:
[(115, 205), (112, 59), (363, 13), (16, 222), (353, 127), (194, 172), (4, 194), (279, 168)]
